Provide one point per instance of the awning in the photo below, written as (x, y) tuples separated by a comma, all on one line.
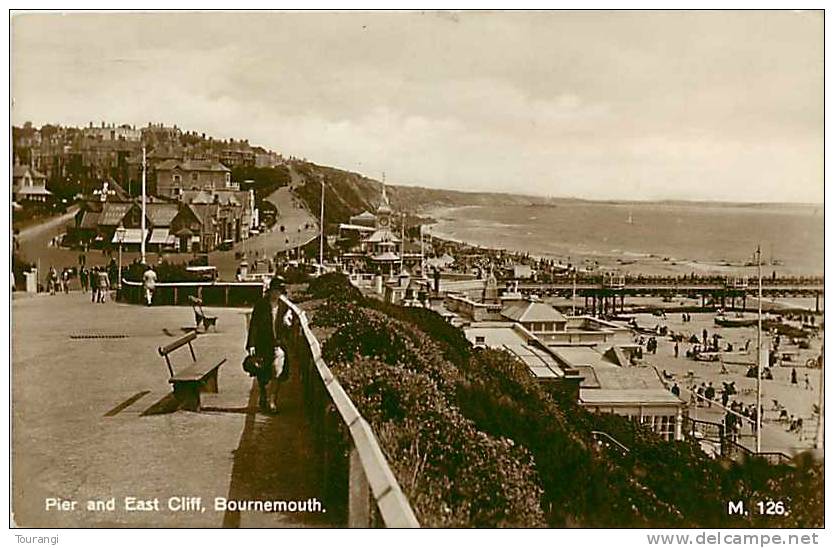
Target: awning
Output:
[(162, 236), (131, 236)]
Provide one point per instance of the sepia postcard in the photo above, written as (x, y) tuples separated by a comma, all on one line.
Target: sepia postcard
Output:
[(418, 269)]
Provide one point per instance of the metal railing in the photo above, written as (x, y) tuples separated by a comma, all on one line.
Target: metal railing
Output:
[(604, 438), (351, 463), (731, 449), (212, 293)]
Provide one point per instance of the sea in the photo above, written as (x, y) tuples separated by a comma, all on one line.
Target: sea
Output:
[(650, 238)]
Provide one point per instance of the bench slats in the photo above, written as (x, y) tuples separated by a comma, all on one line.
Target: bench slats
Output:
[(168, 348), (197, 371)]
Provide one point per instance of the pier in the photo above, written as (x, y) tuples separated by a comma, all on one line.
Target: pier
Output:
[(611, 297)]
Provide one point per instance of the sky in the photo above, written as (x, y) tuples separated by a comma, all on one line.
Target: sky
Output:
[(700, 105)]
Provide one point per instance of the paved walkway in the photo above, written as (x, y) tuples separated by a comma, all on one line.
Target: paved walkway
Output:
[(80, 432)]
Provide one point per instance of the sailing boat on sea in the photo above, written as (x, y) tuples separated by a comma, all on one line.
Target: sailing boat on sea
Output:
[(630, 219), (773, 260)]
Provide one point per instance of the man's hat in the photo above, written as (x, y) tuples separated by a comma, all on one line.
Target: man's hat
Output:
[(277, 284)]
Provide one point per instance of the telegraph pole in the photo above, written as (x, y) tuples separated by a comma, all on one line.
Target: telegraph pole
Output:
[(819, 441), (422, 253), (759, 357), (144, 205), (573, 298), (321, 234), (402, 243)]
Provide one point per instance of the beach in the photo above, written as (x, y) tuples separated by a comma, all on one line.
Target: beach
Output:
[(647, 238)]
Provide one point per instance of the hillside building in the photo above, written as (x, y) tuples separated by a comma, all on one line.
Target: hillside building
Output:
[(29, 185)]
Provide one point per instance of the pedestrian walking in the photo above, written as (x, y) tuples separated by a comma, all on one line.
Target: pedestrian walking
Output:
[(65, 280), (263, 342), (709, 394), (52, 280), (793, 376), (103, 285), (94, 284), (82, 277), (677, 349), (807, 382), (676, 390), (149, 283)]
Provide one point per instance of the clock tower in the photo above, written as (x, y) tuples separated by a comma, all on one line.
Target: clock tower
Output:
[(383, 212)]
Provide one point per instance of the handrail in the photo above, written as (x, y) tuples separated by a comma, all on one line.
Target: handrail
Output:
[(597, 433), (391, 503), (196, 283)]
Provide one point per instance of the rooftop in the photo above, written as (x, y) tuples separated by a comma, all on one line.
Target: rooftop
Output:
[(191, 165), (532, 312)]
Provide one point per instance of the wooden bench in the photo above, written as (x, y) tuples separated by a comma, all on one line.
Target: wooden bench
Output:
[(200, 317), (189, 382)]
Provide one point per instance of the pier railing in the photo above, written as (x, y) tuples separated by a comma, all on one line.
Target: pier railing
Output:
[(352, 464)]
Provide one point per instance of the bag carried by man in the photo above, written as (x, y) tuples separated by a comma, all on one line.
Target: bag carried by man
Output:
[(253, 366)]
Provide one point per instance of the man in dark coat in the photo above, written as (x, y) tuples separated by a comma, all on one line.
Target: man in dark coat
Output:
[(262, 340)]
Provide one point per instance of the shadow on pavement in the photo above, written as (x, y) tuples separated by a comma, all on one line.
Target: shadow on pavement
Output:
[(275, 461)]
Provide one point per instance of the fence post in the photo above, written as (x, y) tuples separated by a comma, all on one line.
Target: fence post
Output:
[(359, 495)]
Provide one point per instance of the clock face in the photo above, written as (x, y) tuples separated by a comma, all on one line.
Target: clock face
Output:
[(383, 221)]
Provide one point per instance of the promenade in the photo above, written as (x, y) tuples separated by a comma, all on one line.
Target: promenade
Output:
[(80, 431)]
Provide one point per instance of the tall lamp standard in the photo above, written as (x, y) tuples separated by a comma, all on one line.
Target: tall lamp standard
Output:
[(120, 237)]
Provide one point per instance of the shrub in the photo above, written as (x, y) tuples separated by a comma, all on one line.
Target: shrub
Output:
[(474, 440)]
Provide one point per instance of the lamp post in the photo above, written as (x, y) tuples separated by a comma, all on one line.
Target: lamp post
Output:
[(120, 237)]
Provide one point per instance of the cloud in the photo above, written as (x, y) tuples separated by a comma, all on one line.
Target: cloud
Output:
[(642, 105)]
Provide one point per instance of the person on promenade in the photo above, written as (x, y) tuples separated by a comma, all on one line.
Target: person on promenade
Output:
[(676, 390), (709, 394), (94, 284), (149, 283), (103, 285), (793, 376), (807, 382), (263, 342), (52, 280), (65, 280), (82, 277)]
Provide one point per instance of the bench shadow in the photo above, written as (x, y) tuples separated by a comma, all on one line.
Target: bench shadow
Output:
[(167, 404), (127, 403)]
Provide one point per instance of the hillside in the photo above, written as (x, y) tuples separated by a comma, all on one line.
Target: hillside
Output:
[(350, 193), (475, 441)]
